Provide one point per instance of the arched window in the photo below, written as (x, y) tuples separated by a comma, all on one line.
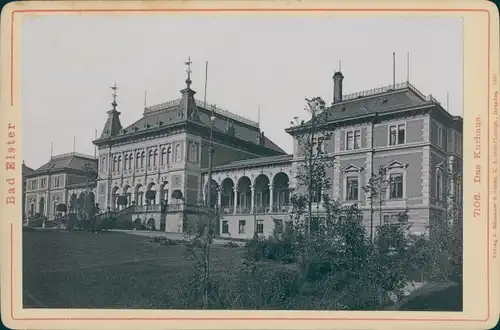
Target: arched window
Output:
[(115, 162), (169, 155), (143, 157), (119, 164), (130, 161), (125, 163), (192, 153), (178, 155), (103, 164), (155, 157), (137, 160), (163, 156), (150, 158)]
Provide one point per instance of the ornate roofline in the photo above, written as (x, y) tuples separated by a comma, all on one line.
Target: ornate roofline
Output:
[(386, 89), (166, 105), (73, 154)]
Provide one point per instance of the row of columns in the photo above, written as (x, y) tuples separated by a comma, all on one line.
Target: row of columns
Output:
[(252, 200)]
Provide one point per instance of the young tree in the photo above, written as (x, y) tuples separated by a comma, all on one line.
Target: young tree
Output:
[(376, 189), (312, 138)]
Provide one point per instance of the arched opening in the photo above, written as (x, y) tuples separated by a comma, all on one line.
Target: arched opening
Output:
[(119, 168), (128, 195), (72, 203), (178, 155), (281, 192), (262, 194), (125, 163), (139, 195), (143, 157), (151, 194), (80, 202), (151, 224), (150, 158), (164, 192), (227, 196), (177, 196), (130, 160), (32, 209), (214, 193), (90, 200), (41, 206), (244, 195), (114, 199)]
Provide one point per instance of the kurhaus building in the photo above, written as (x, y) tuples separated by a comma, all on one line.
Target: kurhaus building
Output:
[(160, 162)]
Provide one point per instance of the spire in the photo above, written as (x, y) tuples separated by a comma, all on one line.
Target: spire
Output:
[(113, 125), (187, 106), (188, 70)]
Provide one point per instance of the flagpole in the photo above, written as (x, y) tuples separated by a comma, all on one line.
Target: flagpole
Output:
[(95, 147), (51, 149), (206, 80)]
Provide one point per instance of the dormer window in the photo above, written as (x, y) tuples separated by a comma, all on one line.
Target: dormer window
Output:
[(384, 101)]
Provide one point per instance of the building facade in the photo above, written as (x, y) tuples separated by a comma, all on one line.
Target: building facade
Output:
[(160, 163), (61, 181)]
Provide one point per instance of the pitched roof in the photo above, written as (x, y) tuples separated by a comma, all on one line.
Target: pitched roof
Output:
[(113, 125), (375, 101), (380, 100), (255, 162), (174, 111), (69, 161), (26, 169)]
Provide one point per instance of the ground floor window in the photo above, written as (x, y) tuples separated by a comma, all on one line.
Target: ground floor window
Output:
[(260, 226), (390, 218), (225, 227), (241, 227)]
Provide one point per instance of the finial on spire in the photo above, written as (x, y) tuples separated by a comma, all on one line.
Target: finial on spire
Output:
[(114, 88), (188, 70)]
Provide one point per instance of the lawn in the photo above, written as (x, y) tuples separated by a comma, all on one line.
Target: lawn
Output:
[(108, 270)]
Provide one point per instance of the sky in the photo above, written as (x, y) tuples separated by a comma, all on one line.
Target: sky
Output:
[(272, 62)]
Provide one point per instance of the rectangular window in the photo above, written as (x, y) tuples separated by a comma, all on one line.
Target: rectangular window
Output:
[(260, 226), (352, 189), (401, 134), (43, 182), (357, 139), (241, 227), (314, 225), (278, 225), (34, 184), (350, 140), (353, 139), (56, 181), (439, 136), (397, 134), (316, 198), (392, 135), (225, 227), (390, 218), (396, 186)]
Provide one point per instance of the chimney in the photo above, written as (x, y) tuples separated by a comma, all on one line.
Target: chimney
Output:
[(337, 87)]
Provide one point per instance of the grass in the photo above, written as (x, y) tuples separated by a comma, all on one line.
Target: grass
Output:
[(109, 270)]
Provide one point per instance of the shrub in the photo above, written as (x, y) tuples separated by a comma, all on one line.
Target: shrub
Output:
[(124, 224), (106, 224), (231, 245)]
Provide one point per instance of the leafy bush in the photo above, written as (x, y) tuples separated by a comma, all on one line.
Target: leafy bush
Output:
[(231, 245)]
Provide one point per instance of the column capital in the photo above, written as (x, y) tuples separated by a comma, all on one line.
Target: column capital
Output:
[(271, 187)]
